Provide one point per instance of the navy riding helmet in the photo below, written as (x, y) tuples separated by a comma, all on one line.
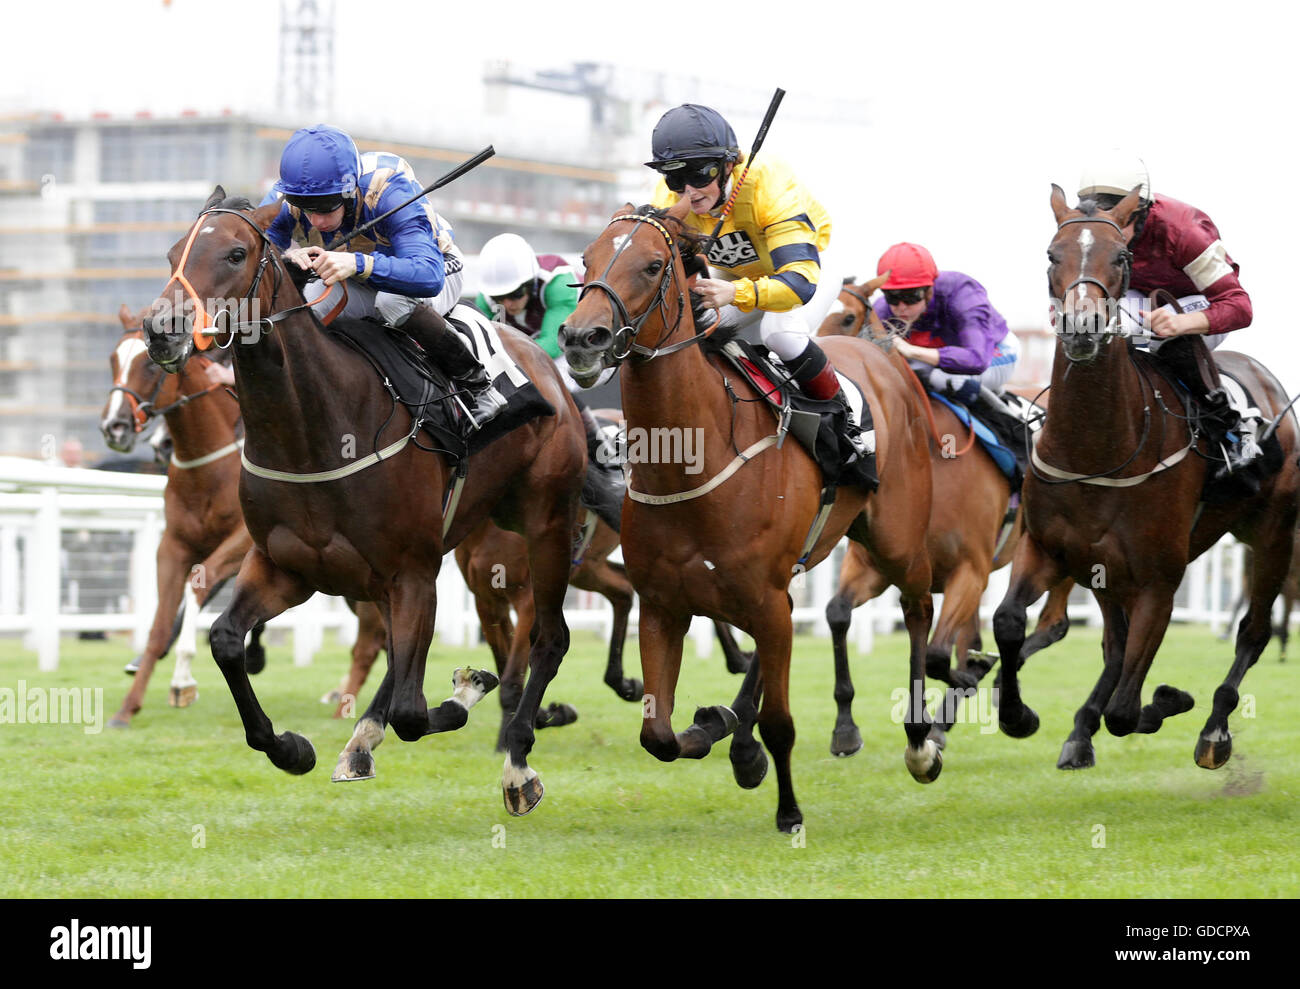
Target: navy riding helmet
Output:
[(319, 163), (691, 131)]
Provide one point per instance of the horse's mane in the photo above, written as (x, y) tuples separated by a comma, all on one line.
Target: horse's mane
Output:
[(241, 203), (689, 242)]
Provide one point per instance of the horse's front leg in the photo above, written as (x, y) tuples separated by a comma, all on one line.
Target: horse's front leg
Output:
[(262, 591), (184, 689), (1032, 572), (662, 635), (922, 755), (1148, 616), (1077, 752)]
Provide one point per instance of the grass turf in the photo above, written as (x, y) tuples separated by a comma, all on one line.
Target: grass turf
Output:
[(179, 806)]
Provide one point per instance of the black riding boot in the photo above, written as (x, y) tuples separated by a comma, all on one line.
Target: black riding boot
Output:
[(603, 489), (1189, 357), (445, 346), (815, 377)]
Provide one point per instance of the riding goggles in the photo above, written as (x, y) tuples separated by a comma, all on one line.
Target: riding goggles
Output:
[(315, 204), (697, 174), (905, 296), (514, 296)]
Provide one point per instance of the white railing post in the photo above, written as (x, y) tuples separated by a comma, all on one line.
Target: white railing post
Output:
[(45, 563)]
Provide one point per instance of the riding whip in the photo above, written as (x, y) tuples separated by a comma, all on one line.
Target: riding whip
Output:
[(451, 176), (777, 97)]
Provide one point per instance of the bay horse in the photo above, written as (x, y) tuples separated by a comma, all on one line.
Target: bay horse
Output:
[(1115, 498), (371, 529), (970, 501), (1290, 594), (727, 548), (204, 538)]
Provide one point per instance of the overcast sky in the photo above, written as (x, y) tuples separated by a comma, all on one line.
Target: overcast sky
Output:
[(969, 111)]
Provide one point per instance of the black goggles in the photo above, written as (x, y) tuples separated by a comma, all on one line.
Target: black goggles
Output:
[(905, 296), (697, 175), (316, 204), (514, 296)]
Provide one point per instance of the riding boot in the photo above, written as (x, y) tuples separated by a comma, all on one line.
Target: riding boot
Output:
[(445, 346), (816, 378), (603, 489), (1190, 359)]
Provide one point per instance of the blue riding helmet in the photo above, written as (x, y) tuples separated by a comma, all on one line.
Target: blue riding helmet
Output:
[(319, 161), (691, 131)]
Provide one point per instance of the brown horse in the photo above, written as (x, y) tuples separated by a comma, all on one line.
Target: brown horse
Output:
[(1290, 594), (970, 503), (204, 539), (1115, 498), (727, 547), (370, 529)]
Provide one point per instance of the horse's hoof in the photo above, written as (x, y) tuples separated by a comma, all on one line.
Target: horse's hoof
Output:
[(333, 697), (254, 659), (978, 664), (938, 736), (556, 716), (131, 668), (353, 766), (183, 696), (964, 679), (788, 822), (1076, 754), (1021, 727), (718, 721), (293, 753), (1171, 701), (117, 721), (924, 763), (1212, 751), (749, 771), (630, 689), (846, 741), (521, 800)]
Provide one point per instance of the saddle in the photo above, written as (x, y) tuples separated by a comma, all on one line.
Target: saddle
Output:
[(817, 425), (998, 439), (429, 394)]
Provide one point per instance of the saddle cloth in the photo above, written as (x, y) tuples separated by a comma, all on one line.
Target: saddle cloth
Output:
[(427, 392), (998, 448)]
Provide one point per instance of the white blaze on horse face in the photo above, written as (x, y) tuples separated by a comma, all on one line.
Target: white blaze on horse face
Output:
[(1085, 245), (208, 229), (619, 241), (129, 350)]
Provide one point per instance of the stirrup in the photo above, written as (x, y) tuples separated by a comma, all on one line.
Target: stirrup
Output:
[(487, 402)]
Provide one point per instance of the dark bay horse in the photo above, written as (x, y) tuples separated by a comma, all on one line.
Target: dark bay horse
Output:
[(204, 539), (969, 504), (370, 529), (1115, 498), (724, 542)]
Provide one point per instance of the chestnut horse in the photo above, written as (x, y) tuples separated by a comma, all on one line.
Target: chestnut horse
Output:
[(1115, 499), (371, 529), (969, 505), (204, 539), (727, 547)]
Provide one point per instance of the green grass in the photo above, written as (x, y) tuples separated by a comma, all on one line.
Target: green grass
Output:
[(114, 814)]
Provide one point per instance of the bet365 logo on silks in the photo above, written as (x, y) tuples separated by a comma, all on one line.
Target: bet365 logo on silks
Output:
[(732, 250)]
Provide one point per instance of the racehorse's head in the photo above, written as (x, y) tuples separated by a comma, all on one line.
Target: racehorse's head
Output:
[(636, 264), (218, 270), (1088, 270), (852, 312), (136, 383)]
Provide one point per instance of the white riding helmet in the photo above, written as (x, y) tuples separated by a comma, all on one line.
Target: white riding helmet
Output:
[(505, 263), (1114, 173)]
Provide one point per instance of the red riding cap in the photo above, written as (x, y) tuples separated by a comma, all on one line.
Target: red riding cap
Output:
[(909, 266)]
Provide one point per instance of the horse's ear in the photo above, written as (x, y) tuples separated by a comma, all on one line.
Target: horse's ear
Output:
[(218, 196), (875, 283), (263, 216), (624, 210), (1123, 210), (679, 209), (1059, 206), (127, 318)]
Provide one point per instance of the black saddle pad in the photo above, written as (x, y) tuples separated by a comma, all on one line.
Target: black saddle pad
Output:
[(826, 443), (427, 392)]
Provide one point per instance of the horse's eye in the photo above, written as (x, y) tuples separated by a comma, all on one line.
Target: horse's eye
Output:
[(1052, 259), (655, 267), (849, 319), (237, 255)]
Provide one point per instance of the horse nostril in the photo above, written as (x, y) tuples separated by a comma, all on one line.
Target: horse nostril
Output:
[(598, 338)]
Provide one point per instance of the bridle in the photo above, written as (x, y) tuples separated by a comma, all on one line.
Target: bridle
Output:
[(625, 335), (143, 411), (207, 327), (1113, 327)]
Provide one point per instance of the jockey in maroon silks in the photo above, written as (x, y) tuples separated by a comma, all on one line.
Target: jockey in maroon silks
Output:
[(1177, 248)]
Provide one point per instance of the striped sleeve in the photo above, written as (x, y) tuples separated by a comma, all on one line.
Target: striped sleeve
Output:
[(1205, 261), (791, 238)]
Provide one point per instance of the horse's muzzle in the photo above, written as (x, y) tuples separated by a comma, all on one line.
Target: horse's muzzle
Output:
[(118, 433), (585, 350), (168, 341)]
